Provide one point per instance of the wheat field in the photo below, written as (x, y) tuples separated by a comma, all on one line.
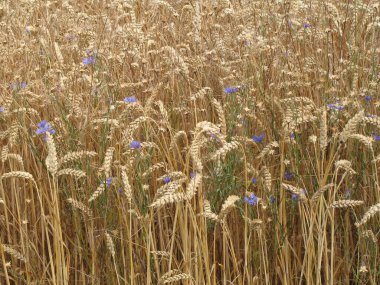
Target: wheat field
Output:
[(189, 142)]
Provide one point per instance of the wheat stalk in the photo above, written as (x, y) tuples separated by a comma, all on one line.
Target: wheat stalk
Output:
[(178, 277), (346, 203), (161, 253), (226, 148), (295, 190), (193, 186), (18, 174), (110, 244), (345, 165), (320, 191), (16, 157), (369, 234), (73, 172), (351, 125), (97, 192), (323, 131), (207, 212), (82, 207), (106, 167), (127, 186), (267, 179), (367, 141), (167, 6), (153, 168), (168, 198), (16, 254), (227, 206), (255, 224), (51, 159), (76, 155), (58, 53), (197, 22), (201, 94), (176, 138), (269, 148), (372, 211), (221, 116), (4, 153)]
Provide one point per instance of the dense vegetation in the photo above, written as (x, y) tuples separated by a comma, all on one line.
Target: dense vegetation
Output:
[(189, 142)]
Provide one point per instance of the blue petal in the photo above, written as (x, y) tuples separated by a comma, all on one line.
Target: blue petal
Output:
[(42, 124)]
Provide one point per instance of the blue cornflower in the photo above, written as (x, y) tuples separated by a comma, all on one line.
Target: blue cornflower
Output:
[(135, 145), (167, 179), (254, 180), (120, 190), (1, 109), (272, 199), (376, 137), (230, 90), (251, 200), (88, 60), (292, 136), (23, 85), (130, 99), (192, 174), (335, 107), (368, 98), (295, 197), (109, 181), (258, 139), (288, 175), (44, 127), (306, 25)]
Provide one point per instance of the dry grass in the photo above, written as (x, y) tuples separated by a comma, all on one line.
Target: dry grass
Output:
[(189, 142)]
